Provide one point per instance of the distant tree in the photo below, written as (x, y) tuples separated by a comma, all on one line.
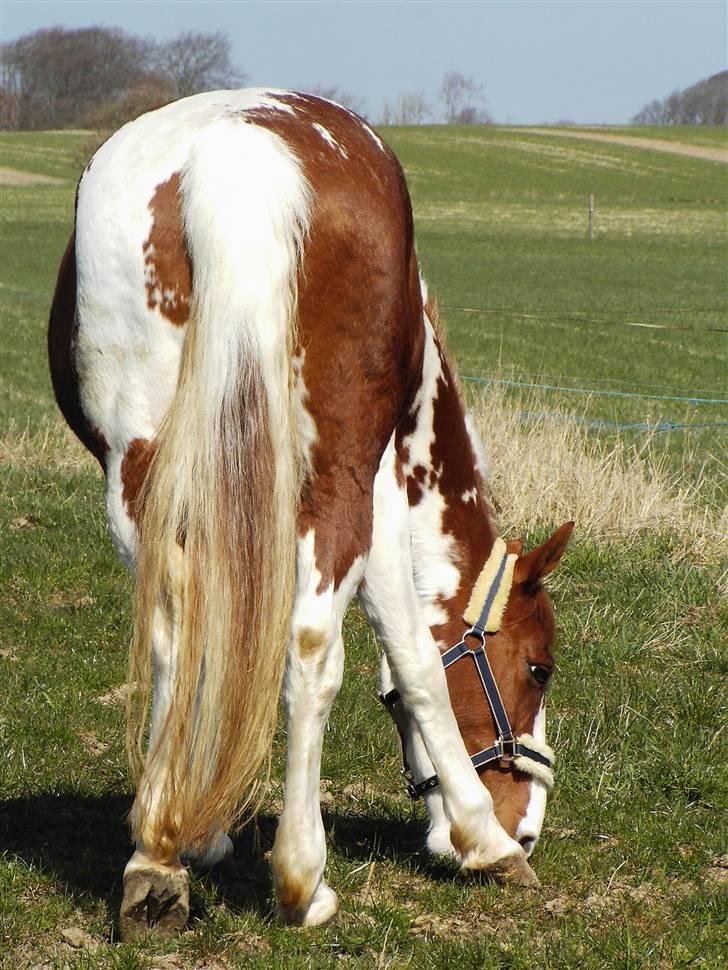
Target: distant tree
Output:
[(151, 92), (410, 108), (53, 75), (704, 103), (99, 77), (654, 113), (345, 98), (463, 101), (194, 62)]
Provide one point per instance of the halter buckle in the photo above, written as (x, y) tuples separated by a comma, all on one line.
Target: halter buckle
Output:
[(508, 750)]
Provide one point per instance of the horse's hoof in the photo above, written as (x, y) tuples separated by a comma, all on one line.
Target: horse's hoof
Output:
[(156, 900), (513, 870), (324, 906)]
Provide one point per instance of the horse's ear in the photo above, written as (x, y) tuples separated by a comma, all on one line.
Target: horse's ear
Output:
[(514, 547), (539, 562)]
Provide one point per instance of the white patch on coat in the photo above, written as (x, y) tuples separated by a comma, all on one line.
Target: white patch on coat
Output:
[(529, 828), (329, 139), (481, 460), (434, 551), (374, 136), (122, 529), (306, 433), (470, 496)]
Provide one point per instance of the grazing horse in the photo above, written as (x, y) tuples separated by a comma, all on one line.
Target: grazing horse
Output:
[(239, 335)]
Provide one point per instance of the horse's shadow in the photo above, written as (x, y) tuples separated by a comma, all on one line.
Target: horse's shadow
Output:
[(82, 841)]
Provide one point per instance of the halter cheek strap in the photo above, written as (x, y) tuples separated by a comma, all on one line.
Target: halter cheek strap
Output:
[(484, 615)]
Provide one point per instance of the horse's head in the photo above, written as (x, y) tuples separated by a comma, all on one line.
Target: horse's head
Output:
[(520, 656), (497, 674)]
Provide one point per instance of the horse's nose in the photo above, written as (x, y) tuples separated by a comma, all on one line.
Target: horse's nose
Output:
[(528, 843)]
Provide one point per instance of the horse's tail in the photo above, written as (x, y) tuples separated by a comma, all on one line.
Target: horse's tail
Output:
[(218, 507)]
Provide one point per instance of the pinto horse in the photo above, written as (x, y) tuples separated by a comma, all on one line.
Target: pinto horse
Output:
[(239, 335)]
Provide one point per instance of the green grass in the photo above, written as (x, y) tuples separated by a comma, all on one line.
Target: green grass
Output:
[(629, 860), (502, 230)]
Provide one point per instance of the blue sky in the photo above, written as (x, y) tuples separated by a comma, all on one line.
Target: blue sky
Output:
[(588, 61)]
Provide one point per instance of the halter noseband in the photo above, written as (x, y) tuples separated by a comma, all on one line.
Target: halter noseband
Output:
[(524, 753)]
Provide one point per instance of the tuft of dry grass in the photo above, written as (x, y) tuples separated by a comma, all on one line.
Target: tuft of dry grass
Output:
[(547, 467), (50, 445)]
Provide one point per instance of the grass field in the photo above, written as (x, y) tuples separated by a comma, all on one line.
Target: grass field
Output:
[(633, 854)]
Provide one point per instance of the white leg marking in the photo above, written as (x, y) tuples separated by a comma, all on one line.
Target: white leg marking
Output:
[(438, 833), (313, 677)]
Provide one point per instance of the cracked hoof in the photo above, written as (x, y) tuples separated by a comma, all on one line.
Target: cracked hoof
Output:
[(156, 900)]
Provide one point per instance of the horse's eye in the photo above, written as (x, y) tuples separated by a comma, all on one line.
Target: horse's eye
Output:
[(539, 673)]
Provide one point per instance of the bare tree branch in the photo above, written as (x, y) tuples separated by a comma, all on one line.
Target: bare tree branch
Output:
[(195, 62), (410, 108), (463, 100)]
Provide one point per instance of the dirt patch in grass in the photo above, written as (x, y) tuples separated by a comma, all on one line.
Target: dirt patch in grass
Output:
[(656, 144), (16, 177)]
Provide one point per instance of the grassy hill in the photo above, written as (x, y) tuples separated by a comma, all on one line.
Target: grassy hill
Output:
[(632, 856)]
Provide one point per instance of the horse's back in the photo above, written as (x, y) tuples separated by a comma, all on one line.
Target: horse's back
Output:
[(132, 268)]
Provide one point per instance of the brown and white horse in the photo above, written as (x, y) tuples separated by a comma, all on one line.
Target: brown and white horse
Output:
[(238, 335)]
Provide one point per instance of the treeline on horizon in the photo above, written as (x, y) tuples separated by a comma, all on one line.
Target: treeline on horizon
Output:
[(704, 103), (101, 77)]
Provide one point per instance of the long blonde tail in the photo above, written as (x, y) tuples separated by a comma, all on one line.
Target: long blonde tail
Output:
[(217, 531)]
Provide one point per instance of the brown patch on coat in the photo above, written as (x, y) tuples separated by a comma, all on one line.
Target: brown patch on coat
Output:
[(61, 336), (168, 270), (360, 318), (134, 467), (310, 642)]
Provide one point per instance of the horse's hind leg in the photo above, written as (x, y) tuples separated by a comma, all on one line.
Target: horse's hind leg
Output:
[(156, 887), (313, 677)]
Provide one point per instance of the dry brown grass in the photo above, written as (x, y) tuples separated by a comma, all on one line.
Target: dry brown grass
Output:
[(51, 445), (542, 472), (551, 469)]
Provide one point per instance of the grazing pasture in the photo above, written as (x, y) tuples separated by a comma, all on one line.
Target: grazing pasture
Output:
[(632, 856)]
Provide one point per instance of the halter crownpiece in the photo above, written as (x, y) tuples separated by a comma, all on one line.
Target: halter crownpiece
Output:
[(484, 615), (492, 588)]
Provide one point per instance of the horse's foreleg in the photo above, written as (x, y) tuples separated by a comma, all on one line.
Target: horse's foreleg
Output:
[(313, 677), (390, 600), (418, 761)]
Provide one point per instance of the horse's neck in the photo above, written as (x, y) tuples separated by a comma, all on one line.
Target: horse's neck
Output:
[(450, 524)]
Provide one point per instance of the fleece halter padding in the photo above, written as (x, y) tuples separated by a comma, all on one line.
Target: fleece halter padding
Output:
[(484, 614), (492, 588)]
